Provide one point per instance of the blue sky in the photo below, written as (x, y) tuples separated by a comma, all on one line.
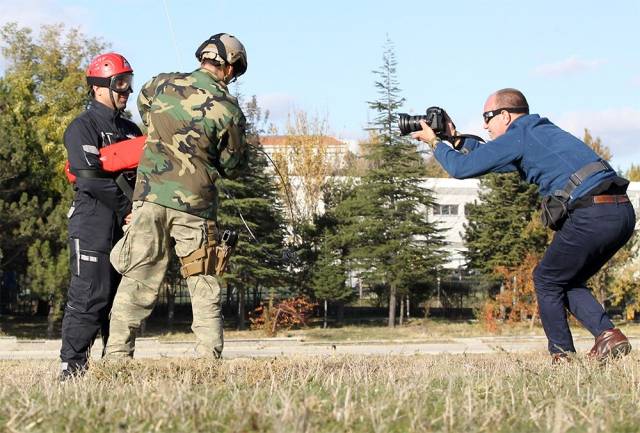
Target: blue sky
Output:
[(577, 62)]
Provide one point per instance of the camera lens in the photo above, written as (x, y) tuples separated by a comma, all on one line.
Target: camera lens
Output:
[(408, 124)]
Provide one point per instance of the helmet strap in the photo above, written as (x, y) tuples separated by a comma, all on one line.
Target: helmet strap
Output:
[(231, 80), (113, 101), (215, 39), (222, 50)]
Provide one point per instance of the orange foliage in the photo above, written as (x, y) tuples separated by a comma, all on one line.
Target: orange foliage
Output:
[(287, 314), (517, 301)]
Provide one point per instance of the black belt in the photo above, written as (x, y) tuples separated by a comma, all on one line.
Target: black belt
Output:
[(91, 174), (119, 178), (600, 199)]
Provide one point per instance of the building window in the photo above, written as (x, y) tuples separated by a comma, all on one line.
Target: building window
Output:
[(445, 209)]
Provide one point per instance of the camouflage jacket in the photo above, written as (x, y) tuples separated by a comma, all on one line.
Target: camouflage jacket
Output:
[(195, 134)]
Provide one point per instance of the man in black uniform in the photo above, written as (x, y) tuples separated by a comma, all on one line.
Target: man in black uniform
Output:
[(98, 211)]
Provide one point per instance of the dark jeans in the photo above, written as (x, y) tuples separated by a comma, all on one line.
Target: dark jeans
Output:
[(587, 240)]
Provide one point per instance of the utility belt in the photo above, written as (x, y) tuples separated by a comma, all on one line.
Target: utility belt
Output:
[(213, 256), (556, 206), (123, 179)]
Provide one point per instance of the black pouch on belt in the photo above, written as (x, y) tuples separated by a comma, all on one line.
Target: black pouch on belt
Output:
[(554, 211), (555, 207)]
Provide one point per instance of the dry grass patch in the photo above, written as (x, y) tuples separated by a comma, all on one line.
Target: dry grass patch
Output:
[(416, 329), (479, 393)]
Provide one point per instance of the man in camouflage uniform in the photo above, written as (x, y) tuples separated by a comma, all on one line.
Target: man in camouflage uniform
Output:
[(195, 134)]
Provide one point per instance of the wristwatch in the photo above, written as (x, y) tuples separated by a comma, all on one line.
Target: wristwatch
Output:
[(433, 142)]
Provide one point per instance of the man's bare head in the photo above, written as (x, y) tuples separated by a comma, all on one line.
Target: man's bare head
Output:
[(498, 107), (510, 98)]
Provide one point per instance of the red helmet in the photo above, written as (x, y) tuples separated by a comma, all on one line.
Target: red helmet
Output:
[(103, 69)]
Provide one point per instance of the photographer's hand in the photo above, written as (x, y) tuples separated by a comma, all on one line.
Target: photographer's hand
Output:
[(426, 135)]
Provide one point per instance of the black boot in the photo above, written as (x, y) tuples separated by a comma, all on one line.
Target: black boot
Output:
[(71, 370)]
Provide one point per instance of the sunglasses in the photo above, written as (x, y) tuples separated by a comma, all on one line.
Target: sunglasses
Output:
[(488, 115)]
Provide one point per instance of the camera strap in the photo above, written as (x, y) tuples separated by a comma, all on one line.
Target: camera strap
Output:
[(475, 137), (460, 137)]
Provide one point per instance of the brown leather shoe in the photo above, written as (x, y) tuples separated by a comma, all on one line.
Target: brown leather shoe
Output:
[(611, 343), (560, 358)]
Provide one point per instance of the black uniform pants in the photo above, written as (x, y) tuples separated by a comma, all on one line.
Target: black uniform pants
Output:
[(89, 299)]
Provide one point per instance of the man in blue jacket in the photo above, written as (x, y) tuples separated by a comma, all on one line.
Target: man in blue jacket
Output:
[(584, 200)]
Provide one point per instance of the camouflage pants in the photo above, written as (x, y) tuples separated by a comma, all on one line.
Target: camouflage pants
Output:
[(142, 256)]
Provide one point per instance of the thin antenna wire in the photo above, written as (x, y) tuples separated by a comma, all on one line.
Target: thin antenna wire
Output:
[(235, 204), (286, 190), (173, 34), (284, 183)]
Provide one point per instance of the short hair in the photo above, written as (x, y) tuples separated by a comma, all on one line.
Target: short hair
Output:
[(511, 98)]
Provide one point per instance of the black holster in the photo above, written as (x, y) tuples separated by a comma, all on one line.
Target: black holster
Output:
[(554, 211)]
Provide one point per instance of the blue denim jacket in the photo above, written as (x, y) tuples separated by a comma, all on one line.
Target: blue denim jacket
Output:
[(540, 151)]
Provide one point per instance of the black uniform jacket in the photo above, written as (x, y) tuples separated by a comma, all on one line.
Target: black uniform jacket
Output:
[(99, 206)]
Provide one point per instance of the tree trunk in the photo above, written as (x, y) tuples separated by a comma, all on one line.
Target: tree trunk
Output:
[(241, 308), (254, 303), (503, 311), (401, 321), (340, 313), (171, 307), (52, 317), (408, 308), (392, 306), (324, 322), (228, 293)]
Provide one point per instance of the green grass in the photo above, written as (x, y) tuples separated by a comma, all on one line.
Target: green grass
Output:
[(445, 393)]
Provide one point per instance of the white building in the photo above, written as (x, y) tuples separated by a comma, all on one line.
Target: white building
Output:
[(335, 150), (452, 196)]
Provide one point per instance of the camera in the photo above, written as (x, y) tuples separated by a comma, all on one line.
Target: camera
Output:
[(435, 118)]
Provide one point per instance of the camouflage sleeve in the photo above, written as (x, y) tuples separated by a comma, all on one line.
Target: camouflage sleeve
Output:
[(233, 148), (148, 92), (145, 98)]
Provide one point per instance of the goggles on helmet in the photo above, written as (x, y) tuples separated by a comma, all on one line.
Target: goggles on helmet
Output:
[(122, 83)]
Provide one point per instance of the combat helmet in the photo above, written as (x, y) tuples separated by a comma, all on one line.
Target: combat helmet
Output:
[(224, 48)]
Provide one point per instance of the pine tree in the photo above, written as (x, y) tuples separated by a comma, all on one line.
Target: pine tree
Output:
[(42, 90), (331, 262), (329, 278), (503, 226), (385, 220), (256, 263)]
